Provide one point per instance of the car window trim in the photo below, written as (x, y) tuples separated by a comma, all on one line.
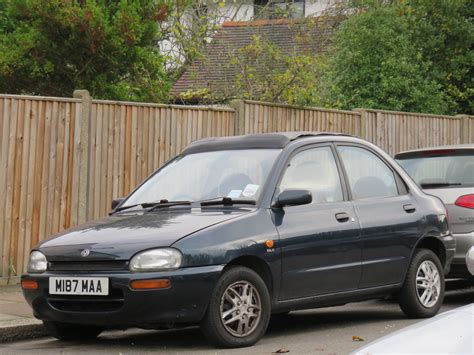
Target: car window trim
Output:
[(345, 195), (402, 188)]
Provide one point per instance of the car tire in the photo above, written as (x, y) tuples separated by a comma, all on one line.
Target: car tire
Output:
[(229, 301), (70, 332), (422, 293)]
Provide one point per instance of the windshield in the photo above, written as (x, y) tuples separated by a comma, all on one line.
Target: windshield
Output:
[(201, 176), (441, 169)]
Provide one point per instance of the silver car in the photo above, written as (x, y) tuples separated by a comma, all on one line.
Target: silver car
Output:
[(448, 172), (450, 332)]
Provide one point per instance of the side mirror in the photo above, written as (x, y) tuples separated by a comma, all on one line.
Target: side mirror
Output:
[(117, 202), (293, 198)]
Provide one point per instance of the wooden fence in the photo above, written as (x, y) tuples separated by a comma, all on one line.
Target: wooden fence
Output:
[(62, 161), (392, 131)]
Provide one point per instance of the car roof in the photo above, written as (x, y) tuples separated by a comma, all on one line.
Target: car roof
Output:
[(414, 152), (253, 141)]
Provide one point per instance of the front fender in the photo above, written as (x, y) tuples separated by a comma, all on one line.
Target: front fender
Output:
[(242, 236)]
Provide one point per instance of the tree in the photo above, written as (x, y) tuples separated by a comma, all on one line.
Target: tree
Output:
[(107, 47), (375, 64), (443, 33), (266, 73), (189, 28)]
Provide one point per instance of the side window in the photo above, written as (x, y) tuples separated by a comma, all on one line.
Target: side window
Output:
[(314, 170), (368, 175)]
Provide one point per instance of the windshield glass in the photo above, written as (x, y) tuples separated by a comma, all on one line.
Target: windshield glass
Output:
[(201, 176), (441, 169)]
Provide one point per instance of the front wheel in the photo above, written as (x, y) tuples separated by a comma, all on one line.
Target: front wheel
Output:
[(422, 293), (69, 332), (239, 309)]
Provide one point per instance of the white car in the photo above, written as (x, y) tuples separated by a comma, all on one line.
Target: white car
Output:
[(450, 332), (470, 260)]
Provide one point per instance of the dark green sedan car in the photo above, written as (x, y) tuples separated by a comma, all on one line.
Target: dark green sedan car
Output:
[(236, 229)]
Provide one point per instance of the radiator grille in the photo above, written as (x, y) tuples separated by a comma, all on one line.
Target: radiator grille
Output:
[(88, 265)]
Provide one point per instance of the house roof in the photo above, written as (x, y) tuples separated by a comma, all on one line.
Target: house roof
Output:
[(217, 70)]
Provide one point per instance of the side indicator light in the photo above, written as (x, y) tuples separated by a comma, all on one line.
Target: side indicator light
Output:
[(269, 243), (29, 285), (150, 284)]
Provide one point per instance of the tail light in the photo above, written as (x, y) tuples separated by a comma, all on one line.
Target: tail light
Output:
[(466, 201)]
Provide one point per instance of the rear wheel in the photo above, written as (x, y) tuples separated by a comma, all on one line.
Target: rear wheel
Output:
[(66, 331), (423, 291), (239, 309)]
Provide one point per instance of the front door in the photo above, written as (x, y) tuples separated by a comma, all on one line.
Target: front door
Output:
[(319, 241)]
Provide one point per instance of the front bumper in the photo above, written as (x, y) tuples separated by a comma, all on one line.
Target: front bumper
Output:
[(184, 302)]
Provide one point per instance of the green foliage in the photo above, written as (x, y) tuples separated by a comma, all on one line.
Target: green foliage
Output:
[(107, 47), (376, 65), (266, 73), (203, 96), (443, 32), (412, 55)]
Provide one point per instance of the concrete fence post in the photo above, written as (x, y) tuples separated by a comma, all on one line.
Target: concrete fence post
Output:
[(464, 128), (239, 122), (84, 164)]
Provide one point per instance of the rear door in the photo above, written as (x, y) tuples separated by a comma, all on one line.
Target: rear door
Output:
[(389, 216), (319, 241)]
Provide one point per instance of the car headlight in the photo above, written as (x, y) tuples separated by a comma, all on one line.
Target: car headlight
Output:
[(156, 259), (37, 262)]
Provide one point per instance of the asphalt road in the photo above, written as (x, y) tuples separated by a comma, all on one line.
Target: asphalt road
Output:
[(319, 331)]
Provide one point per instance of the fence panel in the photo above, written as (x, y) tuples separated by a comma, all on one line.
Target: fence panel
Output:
[(399, 131), (129, 141), (261, 117), (37, 156), (393, 131), (41, 151)]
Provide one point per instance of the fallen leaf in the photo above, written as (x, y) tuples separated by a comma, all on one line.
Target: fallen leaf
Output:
[(356, 338), (281, 351)]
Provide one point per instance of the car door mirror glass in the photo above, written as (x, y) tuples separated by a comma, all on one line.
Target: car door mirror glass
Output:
[(293, 197)]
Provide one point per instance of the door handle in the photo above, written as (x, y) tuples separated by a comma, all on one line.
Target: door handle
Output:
[(342, 217), (409, 208)]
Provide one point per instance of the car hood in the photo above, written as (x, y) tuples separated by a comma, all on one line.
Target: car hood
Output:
[(120, 236)]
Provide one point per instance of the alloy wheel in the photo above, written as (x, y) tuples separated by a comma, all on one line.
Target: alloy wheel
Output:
[(240, 308), (428, 283)]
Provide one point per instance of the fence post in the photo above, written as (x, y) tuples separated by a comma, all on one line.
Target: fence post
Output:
[(239, 122), (84, 167), (363, 122), (464, 128)]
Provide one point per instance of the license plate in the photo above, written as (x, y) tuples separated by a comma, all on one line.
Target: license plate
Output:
[(96, 286)]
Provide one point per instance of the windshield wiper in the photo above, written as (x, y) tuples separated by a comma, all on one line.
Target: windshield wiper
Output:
[(427, 185), (152, 205), (163, 203), (227, 201), (118, 209)]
